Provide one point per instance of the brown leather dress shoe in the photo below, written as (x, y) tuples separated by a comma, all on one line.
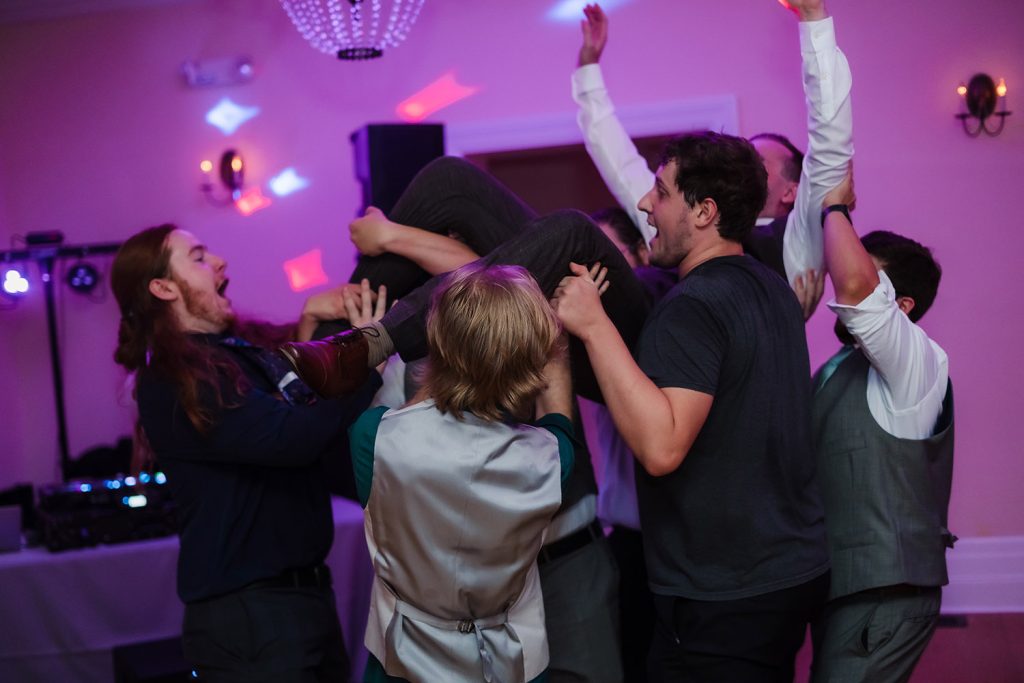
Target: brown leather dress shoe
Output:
[(333, 366)]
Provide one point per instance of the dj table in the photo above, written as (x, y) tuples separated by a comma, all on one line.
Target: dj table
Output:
[(61, 614)]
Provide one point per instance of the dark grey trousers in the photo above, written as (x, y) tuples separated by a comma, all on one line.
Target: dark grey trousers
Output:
[(581, 608), (876, 636)]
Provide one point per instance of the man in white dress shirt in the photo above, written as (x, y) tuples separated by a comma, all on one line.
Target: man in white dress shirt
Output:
[(830, 147), (883, 429)]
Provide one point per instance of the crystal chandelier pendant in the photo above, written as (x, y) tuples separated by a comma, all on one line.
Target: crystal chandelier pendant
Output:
[(353, 29)]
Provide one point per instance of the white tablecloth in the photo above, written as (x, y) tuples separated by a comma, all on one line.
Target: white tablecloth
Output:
[(61, 614)]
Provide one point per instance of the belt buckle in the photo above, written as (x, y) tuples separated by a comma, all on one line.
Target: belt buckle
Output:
[(321, 576), (466, 626)]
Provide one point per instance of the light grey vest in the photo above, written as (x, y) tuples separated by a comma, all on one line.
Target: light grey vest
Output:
[(886, 498), (455, 519)]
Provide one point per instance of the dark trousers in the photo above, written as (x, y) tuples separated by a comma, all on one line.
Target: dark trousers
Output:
[(876, 635), (636, 604), (452, 197), (581, 616), (749, 640), (266, 634)]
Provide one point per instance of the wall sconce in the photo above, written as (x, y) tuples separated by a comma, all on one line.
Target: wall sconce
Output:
[(980, 96), (231, 172)]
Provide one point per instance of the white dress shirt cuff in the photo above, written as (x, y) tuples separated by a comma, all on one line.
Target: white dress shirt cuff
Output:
[(882, 299), (587, 78), (817, 36)]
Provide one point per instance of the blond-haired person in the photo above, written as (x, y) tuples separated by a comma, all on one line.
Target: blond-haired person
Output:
[(459, 488)]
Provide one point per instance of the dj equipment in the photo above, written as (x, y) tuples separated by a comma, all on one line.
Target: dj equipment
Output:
[(87, 512)]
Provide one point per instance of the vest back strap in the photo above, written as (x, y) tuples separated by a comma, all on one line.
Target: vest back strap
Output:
[(465, 626)]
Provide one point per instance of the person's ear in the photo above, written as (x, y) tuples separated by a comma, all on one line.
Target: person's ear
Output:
[(706, 213), (164, 289), (906, 303), (789, 196), (643, 254)]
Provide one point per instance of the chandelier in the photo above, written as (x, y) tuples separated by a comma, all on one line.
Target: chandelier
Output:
[(353, 29)]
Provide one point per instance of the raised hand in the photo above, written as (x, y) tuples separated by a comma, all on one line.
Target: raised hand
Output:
[(371, 232), (595, 35), (843, 193), (360, 308), (599, 275), (809, 287), (577, 300), (325, 306), (807, 10)]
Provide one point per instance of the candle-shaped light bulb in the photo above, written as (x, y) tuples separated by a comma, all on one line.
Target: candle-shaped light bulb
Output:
[(961, 90), (1001, 88)]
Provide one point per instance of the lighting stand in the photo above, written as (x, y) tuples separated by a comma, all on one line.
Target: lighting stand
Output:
[(46, 256)]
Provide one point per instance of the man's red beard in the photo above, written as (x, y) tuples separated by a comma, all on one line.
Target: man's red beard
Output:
[(199, 306)]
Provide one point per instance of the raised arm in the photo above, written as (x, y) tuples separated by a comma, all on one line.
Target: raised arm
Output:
[(827, 81), (659, 425), (854, 275), (913, 368), (611, 149), (853, 272), (556, 397), (373, 234)]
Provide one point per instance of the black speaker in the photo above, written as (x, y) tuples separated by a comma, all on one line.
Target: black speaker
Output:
[(388, 155)]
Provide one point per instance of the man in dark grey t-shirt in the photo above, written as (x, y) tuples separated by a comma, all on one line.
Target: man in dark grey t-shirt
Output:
[(716, 409), (741, 517)]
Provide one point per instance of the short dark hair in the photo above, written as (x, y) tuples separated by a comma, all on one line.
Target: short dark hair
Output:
[(795, 164), (623, 225), (909, 265), (724, 168)]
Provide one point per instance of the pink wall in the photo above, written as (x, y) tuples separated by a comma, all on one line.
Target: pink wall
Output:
[(98, 137)]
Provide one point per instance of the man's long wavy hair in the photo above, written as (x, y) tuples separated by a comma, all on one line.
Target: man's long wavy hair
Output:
[(490, 333), (206, 379)]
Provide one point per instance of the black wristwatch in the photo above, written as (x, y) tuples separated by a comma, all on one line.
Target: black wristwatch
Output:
[(841, 208)]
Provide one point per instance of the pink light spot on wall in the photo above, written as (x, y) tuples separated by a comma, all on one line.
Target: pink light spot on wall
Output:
[(305, 271), (252, 201), (443, 92)]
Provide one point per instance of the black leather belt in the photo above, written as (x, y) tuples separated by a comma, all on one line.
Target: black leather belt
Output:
[(572, 542), (900, 589), (306, 577)]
